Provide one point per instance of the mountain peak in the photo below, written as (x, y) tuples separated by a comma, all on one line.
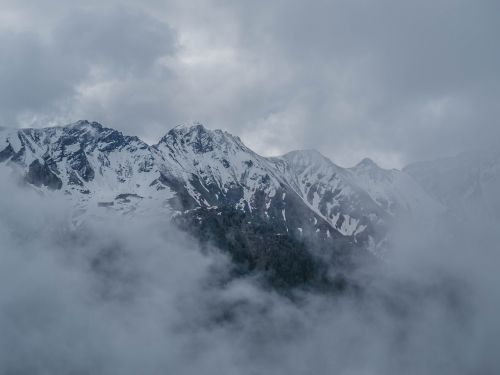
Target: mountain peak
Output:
[(198, 129), (307, 156), (190, 127), (85, 124), (367, 163), (200, 139), (311, 158)]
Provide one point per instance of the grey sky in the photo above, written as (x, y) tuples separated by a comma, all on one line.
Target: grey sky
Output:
[(394, 80)]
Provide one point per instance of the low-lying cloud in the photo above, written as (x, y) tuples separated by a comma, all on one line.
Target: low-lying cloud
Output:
[(120, 295)]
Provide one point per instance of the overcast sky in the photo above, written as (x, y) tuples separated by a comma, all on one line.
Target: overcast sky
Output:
[(397, 81)]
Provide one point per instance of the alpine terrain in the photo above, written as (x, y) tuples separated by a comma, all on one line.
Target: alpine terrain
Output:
[(285, 215)]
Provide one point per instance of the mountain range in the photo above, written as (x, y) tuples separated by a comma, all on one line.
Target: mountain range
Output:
[(260, 209)]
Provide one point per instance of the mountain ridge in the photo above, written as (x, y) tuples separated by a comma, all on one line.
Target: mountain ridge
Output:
[(289, 217), (301, 193)]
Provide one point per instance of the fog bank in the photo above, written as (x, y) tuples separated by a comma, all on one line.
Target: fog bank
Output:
[(126, 296)]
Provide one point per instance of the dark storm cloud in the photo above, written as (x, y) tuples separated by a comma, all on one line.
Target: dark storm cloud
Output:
[(393, 80)]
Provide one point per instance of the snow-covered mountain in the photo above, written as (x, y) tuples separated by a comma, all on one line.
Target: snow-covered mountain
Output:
[(360, 201), (465, 180), (300, 194), (215, 167), (396, 192), (92, 165)]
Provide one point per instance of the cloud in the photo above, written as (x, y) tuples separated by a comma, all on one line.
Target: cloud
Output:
[(385, 78), (133, 295), (34, 76), (394, 81), (87, 62), (115, 39)]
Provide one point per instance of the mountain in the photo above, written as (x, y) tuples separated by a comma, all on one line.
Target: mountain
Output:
[(329, 191), (462, 181), (261, 210), (362, 201), (92, 165), (395, 191)]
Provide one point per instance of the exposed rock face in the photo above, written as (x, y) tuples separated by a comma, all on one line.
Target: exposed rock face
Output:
[(41, 175)]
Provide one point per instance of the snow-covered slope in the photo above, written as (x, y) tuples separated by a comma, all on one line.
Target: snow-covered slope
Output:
[(328, 189)]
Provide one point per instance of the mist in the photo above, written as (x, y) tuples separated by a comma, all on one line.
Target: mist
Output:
[(126, 295)]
